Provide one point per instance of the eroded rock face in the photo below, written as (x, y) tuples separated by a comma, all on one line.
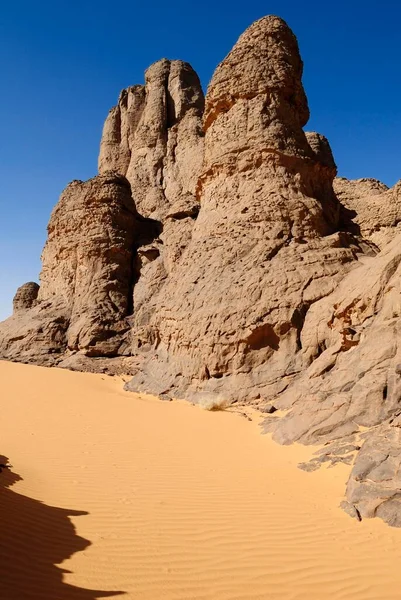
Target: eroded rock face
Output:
[(154, 137), (92, 272), (86, 279), (350, 355), (351, 381), (321, 149), (373, 489), (229, 316), (36, 335), (370, 209), (25, 296)]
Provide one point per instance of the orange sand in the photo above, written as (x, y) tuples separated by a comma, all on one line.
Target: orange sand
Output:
[(181, 503)]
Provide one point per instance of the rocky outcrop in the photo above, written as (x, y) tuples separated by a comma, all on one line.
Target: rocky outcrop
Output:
[(228, 318), (92, 273), (213, 259), (370, 209), (350, 355), (373, 489), (321, 149), (25, 297), (86, 280), (351, 381), (36, 335), (154, 137)]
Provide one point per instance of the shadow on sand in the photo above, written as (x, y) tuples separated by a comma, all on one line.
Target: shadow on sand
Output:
[(34, 538)]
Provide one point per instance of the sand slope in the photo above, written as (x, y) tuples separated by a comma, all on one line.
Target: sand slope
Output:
[(168, 502)]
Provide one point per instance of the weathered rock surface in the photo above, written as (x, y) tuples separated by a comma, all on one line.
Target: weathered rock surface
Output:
[(154, 137), (26, 295), (92, 272), (265, 245), (86, 280), (36, 335), (350, 355), (244, 276), (321, 149), (374, 487), (351, 381), (370, 208)]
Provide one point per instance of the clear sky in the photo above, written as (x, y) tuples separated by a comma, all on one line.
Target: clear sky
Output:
[(64, 62)]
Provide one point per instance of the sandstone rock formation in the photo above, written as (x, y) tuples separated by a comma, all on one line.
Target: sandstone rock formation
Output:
[(92, 273), (350, 355), (350, 341), (213, 257), (86, 280), (154, 137), (26, 295), (373, 489), (370, 208), (228, 318)]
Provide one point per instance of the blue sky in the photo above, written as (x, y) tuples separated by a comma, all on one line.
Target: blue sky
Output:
[(64, 63)]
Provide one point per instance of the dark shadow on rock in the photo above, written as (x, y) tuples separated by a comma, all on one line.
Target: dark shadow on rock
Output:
[(148, 230), (347, 222), (34, 538)]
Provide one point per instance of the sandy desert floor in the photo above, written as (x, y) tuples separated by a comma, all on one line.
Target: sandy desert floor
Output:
[(114, 493)]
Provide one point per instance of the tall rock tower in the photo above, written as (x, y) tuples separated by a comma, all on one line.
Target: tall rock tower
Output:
[(229, 316)]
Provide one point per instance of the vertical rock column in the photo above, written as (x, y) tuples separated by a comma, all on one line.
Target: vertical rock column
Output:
[(266, 231), (88, 262), (154, 137)]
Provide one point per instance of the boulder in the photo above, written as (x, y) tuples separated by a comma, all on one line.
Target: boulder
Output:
[(25, 296)]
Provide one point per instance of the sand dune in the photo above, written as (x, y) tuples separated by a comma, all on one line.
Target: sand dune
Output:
[(116, 493)]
